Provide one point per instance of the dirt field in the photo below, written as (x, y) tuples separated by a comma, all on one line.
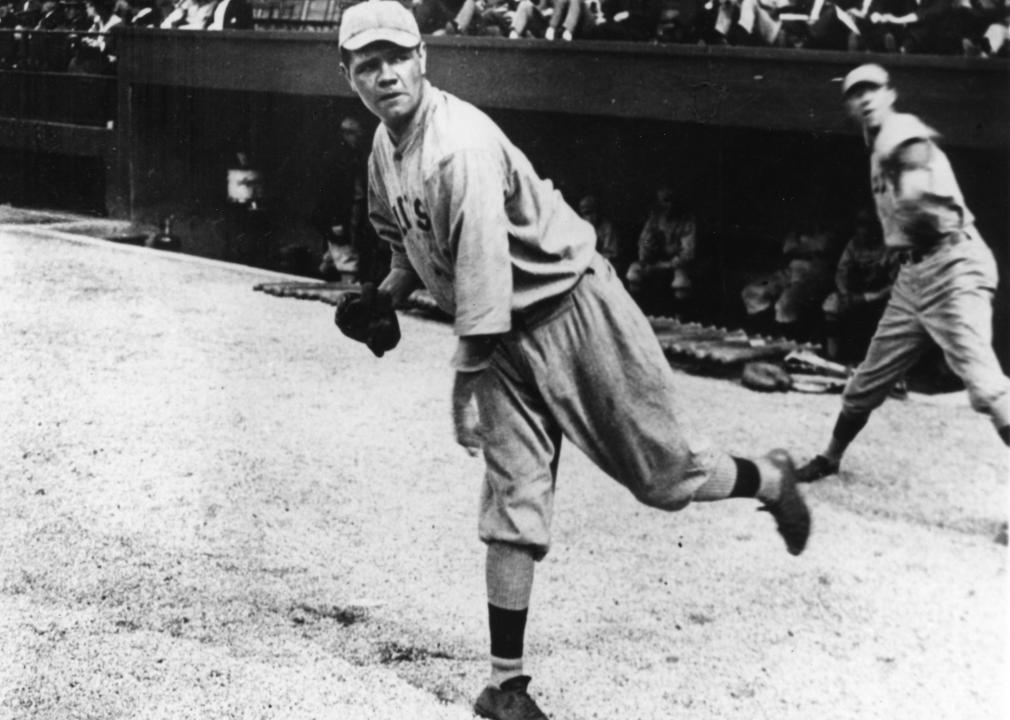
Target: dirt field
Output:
[(214, 506)]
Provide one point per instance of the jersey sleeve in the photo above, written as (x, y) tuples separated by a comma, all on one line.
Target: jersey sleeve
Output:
[(468, 196), (923, 212)]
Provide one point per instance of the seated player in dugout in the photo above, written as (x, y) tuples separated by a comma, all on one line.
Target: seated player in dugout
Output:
[(550, 344)]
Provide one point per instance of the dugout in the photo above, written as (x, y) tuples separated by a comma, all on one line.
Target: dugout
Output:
[(751, 135)]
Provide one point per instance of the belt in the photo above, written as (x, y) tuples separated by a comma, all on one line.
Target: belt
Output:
[(548, 309)]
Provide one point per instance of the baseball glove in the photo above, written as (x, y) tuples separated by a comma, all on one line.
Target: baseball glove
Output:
[(766, 377), (369, 318)]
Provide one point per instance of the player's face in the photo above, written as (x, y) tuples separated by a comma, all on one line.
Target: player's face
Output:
[(869, 104), (389, 80)]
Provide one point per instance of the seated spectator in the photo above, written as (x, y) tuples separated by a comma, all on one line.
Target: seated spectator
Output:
[(8, 19), (444, 17), (608, 243), (191, 15), (53, 16), (787, 301), (909, 26), (661, 279), (531, 18), (836, 25), (139, 13), (627, 20), (96, 53), (750, 22), (29, 15), (232, 15), (985, 26), (863, 282), (76, 15), (682, 21)]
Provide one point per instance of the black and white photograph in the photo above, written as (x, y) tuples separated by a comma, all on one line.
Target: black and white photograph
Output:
[(505, 359)]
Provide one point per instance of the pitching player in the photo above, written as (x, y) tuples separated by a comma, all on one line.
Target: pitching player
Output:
[(943, 292), (550, 344)]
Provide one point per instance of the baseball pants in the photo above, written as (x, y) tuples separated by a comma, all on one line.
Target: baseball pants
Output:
[(587, 367), (946, 297)]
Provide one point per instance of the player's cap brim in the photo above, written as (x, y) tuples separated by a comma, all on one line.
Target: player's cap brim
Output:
[(400, 38), (870, 74)]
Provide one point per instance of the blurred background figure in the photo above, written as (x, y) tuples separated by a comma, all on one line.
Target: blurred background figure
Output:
[(863, 279), (608, 243), (661, 278)]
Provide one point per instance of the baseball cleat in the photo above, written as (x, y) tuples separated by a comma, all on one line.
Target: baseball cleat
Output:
[(792, 517), (819, 467), (510, 702)]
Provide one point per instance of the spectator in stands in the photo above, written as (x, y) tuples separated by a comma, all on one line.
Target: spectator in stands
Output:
[(53, 16), (29, 15), (863, 279), (682, 21), (96, 53), (661, 278), (750, 22), (788, 300), (76, 15), (8, 19), (531, 18), (191, 15), (914, 26), (445, 17), (608, 243), (630, 20), (232, 15), (571, 17), (494, 17), (139, 13)]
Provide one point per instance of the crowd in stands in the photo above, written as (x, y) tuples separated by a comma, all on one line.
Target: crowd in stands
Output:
[(946, 27), (969, 27)]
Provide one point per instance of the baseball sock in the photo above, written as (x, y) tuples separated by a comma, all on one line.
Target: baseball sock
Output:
[(847, 426), (732, 477), (1004, 433), (509, 587)]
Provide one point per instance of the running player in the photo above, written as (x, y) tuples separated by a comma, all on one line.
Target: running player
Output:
[(944, 291), (550, 344)]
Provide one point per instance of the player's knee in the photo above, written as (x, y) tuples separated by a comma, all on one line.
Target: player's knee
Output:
[(664, 492)]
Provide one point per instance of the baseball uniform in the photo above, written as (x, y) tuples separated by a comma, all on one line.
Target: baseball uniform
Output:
[(503, 253), (944, 291)]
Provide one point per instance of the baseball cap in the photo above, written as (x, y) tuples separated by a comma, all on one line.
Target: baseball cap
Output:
[(871, 73), (378, 21)]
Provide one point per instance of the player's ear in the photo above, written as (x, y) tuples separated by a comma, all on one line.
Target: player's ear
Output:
[(422, 54)]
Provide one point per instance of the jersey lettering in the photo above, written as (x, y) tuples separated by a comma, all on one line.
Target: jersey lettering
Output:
[(423, 219), (401, 211)]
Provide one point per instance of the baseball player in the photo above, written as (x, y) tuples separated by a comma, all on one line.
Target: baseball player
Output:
[(943, 292), (549, 342)]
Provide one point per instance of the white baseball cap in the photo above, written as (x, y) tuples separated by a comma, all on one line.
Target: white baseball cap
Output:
[(870, 74), (374, 21)]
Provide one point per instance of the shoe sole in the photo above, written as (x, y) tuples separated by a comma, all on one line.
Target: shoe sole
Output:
[(792, 516)]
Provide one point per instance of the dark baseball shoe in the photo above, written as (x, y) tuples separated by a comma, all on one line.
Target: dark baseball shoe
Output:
[(818, 468), (511, 702), (792, 517)]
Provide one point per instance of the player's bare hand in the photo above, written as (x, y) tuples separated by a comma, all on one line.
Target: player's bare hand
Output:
[(465, 416)]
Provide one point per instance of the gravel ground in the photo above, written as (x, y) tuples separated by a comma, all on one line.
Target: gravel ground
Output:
[(214, 506)]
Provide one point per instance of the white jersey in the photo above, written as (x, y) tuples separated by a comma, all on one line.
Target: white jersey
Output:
[(921, 220), (464, 209)]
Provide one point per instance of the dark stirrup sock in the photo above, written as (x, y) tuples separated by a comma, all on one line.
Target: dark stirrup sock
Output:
[(847, 426), (748, 479), (508, 628)]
